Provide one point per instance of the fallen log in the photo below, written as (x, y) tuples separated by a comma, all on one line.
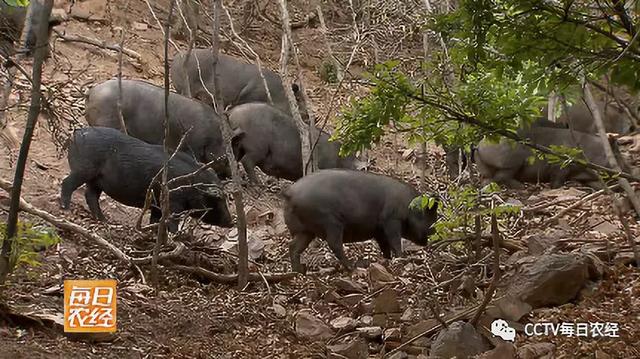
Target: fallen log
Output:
[(231, 278)]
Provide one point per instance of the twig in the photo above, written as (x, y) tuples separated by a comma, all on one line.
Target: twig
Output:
[(255, 54), (578, 204), (119, 101), (232, 278), (627, 231), (496, 270), (99, 43), (153, 13)]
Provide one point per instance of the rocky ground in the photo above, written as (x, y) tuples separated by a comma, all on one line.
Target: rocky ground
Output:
[(575, 269)]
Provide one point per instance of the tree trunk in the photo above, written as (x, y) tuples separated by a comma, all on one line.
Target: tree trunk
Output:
[(551, 107), (225, 126), (303, 128), (611, 157), (161, 237), (42, 42)]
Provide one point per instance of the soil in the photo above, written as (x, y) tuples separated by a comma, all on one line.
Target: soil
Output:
[(190, 318)]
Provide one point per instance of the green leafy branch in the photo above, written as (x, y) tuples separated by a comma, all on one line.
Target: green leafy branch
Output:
[(29, 239)]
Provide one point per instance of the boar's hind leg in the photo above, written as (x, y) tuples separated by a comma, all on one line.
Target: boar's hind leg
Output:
[(298, 244), (249, 167), (92, 196), (334, 239), (69, 185)]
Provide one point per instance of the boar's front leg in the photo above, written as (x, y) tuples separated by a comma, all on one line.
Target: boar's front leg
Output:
[(69, 185), (393, 237)]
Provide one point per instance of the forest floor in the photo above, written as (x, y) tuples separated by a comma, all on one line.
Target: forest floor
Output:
[(191, 318)]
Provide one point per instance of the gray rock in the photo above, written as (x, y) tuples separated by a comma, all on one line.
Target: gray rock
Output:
[(552, 279), (537, 351), (387, 302), (355, 349), (459, 340), (310, 327)]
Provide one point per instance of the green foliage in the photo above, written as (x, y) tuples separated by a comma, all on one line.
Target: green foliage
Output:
[(463, 204), (17, 3), (363, 123), (328, 72), (28, 240), (422, 202)]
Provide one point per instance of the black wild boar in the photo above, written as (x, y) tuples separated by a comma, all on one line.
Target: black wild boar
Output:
[(453, 157), (579, 118), (344, 206), (239, 81), (508, 164), (268, 138), (143, 114), (107, 160)]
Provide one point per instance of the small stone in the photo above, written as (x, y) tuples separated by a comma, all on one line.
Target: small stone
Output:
[(348, 286), (344, 323), (392, 334), (279, 310), (309, 326), (140, 26), (332, 296), (537, 351), (370, 332), (355, 349), (379, 276), (352, 299), (366, 320), (460, 340), (407, 316), (387, 302), (399, 355), (504, 350), (379, 320)]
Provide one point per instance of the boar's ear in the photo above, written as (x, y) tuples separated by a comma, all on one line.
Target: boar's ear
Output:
[(295, 88)]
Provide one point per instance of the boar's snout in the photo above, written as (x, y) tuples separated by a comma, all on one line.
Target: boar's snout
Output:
[(421, 223), (217, 213)]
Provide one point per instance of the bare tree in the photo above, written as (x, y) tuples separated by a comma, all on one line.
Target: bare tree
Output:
[(42, 45), (161, 238), (225, 126), (613, 162), (287, 44)]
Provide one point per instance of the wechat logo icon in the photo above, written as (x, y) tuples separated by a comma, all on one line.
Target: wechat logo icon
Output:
[(500, 328)]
